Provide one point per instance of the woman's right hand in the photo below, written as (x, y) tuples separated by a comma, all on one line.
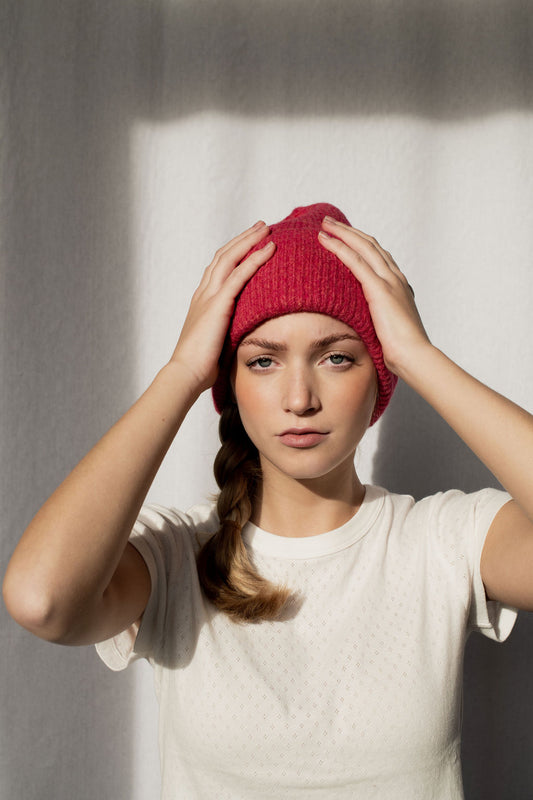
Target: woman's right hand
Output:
[(205, 327), (72, 578)]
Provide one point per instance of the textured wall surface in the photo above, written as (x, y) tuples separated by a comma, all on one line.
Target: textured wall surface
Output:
[(136, 137)]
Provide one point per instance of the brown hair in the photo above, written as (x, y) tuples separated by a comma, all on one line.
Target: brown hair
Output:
[(227, 575)]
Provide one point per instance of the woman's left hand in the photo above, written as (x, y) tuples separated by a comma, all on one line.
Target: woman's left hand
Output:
[(388, 294), (498, 431)]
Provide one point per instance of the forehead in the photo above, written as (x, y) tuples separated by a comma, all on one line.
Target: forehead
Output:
[(308, 324)]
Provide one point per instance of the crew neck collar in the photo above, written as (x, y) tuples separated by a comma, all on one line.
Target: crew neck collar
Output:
[(270, 544)]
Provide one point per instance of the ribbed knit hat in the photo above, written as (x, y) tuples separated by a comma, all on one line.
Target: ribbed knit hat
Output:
[(303, 276)]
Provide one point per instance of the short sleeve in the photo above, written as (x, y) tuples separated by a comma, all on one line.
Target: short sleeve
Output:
[(168, 542), (462, 522), (491, 618)]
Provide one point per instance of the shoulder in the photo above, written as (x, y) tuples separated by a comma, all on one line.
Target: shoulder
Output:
[(157, 517), (453, 503), (168, 529), (453, 515), (457, 508)]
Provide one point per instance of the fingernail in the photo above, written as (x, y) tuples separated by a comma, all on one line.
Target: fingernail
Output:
[(323, 235), (258, 225), (330, 220)]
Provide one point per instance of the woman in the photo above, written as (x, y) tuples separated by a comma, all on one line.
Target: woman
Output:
[(351, 686)]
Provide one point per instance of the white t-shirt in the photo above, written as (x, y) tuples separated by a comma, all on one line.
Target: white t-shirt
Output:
[(357, 694)]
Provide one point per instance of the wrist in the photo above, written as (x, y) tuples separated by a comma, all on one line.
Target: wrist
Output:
[(180, 380), (415, 366)]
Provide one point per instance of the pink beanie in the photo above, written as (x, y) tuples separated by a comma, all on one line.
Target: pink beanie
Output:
[(303, 276)]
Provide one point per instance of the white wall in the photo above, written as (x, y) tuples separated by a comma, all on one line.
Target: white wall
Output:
[(136, 138)]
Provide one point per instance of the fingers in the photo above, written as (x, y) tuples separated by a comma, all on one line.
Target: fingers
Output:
[(359, 251), (229, 255), (244, 236), (352, 259), (241, 274)]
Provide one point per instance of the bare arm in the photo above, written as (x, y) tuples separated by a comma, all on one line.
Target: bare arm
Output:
[(59, 580), (73, 578), (501, 435), (498, 431)]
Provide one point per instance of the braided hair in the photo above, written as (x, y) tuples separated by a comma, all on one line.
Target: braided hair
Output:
[(227, 575)]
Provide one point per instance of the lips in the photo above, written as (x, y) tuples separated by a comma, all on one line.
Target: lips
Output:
[(302, 437)]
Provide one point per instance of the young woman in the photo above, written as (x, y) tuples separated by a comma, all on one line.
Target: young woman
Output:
[(350, 686)]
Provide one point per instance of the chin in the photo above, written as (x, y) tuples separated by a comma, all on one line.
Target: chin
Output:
[(307, 465)]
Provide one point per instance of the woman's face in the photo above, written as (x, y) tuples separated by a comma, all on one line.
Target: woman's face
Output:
[(306, 387)]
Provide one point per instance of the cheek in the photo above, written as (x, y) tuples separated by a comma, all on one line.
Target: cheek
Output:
[(242, 390), (360, 400), (250, 397)]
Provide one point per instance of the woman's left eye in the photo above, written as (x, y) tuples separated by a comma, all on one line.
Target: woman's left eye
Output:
[(337, 359)]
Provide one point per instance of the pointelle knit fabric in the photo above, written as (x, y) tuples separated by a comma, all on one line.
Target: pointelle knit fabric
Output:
[(357, 693)]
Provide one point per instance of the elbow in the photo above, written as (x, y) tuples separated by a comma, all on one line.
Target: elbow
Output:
[(34, 609)]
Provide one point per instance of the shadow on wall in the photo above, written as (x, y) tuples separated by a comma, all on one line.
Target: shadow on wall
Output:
[(442, 60), (67, 363), (419, 454), (78, 76)]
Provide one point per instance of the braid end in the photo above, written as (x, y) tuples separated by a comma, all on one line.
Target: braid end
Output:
[(227, 575)]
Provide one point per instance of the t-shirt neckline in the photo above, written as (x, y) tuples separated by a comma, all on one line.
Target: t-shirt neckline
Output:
[(322, 544)]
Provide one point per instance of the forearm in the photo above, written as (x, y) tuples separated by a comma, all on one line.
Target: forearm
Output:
[(71, 549), (73, 561), (498, 431)]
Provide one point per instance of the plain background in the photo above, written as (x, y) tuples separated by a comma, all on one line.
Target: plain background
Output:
[(135, 138)]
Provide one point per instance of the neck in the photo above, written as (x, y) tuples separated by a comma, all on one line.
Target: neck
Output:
[(290, 507)]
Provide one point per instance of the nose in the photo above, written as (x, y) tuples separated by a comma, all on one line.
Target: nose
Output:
[(300, 394)]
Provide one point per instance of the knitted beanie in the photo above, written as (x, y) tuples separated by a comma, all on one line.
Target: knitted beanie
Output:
[(303, 276)]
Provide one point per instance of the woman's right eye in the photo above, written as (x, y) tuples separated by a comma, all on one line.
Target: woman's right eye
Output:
[(263, 362)]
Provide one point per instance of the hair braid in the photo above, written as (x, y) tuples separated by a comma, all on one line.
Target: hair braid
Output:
[(226, 573)]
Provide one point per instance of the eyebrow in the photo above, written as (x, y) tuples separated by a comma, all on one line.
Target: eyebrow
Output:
[(318, 344)]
